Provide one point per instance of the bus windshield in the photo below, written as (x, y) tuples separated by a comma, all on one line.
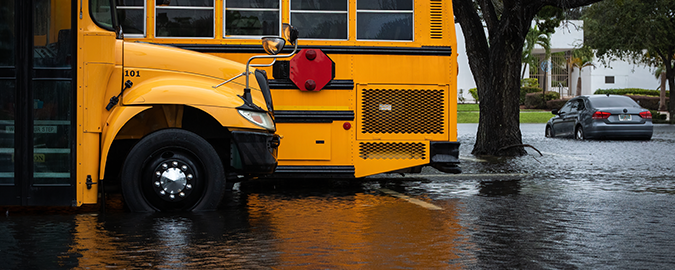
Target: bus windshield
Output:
[(102, 13)]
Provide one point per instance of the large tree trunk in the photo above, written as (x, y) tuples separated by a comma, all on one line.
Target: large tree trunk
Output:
[(496, 71), (579, 84), (499, 123), (670, 74)]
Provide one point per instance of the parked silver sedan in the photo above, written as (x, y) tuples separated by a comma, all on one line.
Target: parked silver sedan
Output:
[(599, 117)]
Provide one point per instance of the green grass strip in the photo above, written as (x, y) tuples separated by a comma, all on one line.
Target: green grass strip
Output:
[(469, 113), (467, 107)]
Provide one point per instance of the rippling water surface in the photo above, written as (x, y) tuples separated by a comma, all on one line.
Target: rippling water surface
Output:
[(589, 204)]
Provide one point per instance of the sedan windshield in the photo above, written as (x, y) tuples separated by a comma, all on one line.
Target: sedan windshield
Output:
[(613, 101)]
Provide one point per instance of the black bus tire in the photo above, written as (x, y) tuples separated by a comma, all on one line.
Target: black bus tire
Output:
[(172, 170)]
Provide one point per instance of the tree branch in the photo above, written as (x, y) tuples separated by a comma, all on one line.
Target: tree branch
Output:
[(567, 4), (475, 40), (489, 14)]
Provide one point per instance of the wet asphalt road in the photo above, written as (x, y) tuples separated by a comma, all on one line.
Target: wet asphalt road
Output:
[(582, 205)]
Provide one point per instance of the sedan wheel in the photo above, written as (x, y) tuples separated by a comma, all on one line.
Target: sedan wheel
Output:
[(579, 133), (549, 132)]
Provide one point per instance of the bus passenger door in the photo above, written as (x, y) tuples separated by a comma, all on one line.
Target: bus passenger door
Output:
[(37, 98)]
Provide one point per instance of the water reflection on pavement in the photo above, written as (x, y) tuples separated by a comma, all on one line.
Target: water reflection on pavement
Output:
[(583, 204)]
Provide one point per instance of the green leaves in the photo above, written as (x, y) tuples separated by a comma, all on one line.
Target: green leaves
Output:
[(626, 28)]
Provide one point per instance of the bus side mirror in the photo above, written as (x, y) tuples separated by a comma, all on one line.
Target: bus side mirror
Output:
[(290, 33), (273, 45)]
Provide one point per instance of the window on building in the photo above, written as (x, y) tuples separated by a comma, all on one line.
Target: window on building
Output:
[(184, 18), (131, 14), (320, 19), (384, 20), (252, 18), (609, 79)]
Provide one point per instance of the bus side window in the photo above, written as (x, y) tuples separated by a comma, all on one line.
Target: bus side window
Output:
[(131, 15), (191, 18), (384, 20), (252, 18), (325, 19)]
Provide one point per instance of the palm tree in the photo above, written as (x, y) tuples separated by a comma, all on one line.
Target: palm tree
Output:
[(534, 37), (660, 73), (580, 59)]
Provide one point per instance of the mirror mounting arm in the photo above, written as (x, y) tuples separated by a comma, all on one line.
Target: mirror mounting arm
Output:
[(247, 90), (248, 64)]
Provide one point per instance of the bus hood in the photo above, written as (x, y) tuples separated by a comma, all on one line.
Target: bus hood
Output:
[(162, 57), (179, 64)]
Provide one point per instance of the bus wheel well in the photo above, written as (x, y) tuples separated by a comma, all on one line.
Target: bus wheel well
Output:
[(159, 118)]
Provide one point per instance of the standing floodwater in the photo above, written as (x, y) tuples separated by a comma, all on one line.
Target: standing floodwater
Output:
[(583, 204)]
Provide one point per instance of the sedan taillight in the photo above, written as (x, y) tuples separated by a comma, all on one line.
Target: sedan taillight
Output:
[(646, 115), (601, 115)]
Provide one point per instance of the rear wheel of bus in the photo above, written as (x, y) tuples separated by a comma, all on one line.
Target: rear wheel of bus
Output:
[(172, 170)]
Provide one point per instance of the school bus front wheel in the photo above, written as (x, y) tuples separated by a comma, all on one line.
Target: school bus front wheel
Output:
[(172, 170)]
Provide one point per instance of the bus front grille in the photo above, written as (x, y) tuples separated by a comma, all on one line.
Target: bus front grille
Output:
[(375, 150), (402, 111)]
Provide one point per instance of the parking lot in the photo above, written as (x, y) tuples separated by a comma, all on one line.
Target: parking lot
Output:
[(581, 205)]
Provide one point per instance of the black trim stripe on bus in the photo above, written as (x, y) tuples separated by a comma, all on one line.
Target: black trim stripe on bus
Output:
[(313, 172), (257, 49), (288, 116), (332, 85)]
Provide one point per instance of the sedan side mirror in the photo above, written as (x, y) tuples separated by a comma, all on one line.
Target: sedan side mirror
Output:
[(554, 111)]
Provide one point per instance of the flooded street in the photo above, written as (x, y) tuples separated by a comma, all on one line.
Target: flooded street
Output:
[(580, 205)]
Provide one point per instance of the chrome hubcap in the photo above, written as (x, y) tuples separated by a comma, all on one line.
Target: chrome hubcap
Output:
[(173, 180)]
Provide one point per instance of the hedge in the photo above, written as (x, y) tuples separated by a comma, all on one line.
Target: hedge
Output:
[(526, 90), (631, 92), (534, 100), (529, 82), (556, 103), (650, 103), (523, 91)]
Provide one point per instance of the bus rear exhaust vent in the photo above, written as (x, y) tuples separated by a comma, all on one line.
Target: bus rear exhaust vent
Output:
[(402, 111), (392, 150), (436, 9)]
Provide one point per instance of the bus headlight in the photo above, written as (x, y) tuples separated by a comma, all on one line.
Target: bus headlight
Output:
[(261, 119)]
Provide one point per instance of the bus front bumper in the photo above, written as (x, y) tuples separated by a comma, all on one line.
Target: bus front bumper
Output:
[(254, 152), (445, 157)]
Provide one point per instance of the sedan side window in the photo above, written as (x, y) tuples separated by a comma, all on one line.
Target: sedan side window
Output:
[(574, 106), (582, 105), (567, 108)]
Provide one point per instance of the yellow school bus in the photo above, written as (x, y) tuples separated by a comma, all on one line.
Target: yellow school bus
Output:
[(372, 90), (80, 105)]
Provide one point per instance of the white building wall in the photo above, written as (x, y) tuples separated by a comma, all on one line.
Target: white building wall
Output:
[(465, 77), (626, 75), (567, 36)]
